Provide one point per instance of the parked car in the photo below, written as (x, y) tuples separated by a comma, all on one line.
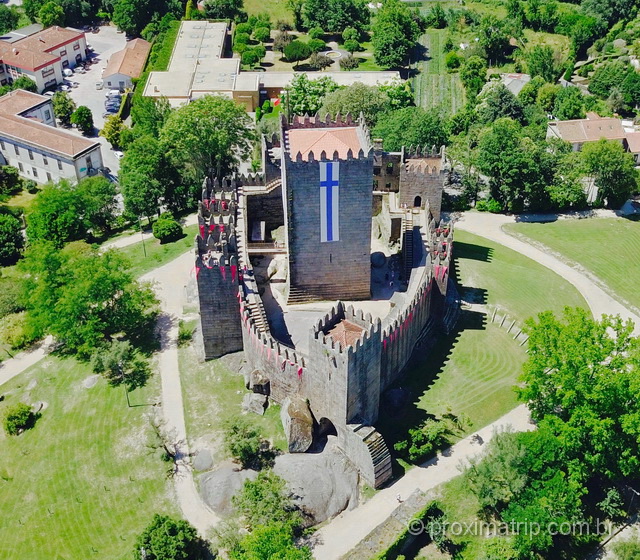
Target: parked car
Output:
[(67, 72), (63, 87), (99, 85), (49, 93), (118, 154), (113, 93), (79, 69), (75, 84)]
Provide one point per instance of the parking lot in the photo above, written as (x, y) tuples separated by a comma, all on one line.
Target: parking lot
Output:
[(104, 43)]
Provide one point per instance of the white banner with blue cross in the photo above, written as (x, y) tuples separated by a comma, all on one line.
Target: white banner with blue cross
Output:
[(329, 201)]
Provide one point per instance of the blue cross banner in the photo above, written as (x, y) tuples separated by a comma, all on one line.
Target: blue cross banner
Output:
[(329, 201)]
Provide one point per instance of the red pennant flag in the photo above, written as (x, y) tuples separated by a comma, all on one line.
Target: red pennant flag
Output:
[(202, 231)]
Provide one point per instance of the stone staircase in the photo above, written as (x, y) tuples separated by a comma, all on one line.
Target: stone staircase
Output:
[(378, 452), (407, 244)]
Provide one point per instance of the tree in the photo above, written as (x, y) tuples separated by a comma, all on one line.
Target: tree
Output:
[(319, 61), (56, 215), (499, 548), (51, 13), (210, 134), (166, 538), (166, 228), (305, 96), (112, 129), (83, 119), (496, 101), (31, 8), (282, 39), (613, 170), (317, 45), (17, 417), (395, 32), (262, 34), (266, 500), (607, 76), (63, 106), (399, 93), (547, 95), (335, 16), (424, 440), (351, 45), (474, 75), (10, 181), (529, 93), (296, 51), (84, 297), (223, 9), (411, 126), (493, 38), (350, 34), (269, 542), (349, 62), (317, 32), (626, 550), (119, 363), (355, 99), (98, 202), (540, 62), (243, 442), (296, 7), (149, 114), (26, 83), (9, 18), (11, 240)]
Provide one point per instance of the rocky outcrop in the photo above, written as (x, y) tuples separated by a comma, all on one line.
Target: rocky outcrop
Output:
[(218, 487), (321, 484), (259, 382), (253, 402), (297, 422)]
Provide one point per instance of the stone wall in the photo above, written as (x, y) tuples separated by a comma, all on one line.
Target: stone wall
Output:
[(331, 270), (268, 208), (426, 182)]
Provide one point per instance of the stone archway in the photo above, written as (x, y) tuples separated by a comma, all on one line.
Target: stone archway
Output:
[(417, 202)]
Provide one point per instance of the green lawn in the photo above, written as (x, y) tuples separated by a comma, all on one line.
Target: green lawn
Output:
[(433, 85), (277, 9), (606, 247), (81, 483), (212, 393), (21, 200), (490, 273), (157, 254)]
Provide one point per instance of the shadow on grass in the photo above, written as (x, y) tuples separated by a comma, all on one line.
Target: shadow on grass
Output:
[(470, 251)]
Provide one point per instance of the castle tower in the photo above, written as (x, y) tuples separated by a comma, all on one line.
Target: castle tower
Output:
[(327, 196), (217, 270), (422, 178)]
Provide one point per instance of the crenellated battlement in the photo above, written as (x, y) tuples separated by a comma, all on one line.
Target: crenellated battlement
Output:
[(416, 152), (311, 157)]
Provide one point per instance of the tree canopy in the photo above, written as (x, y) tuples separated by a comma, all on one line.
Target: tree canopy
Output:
[(166, 538), (305, 97), (336, 15), (395, 32), (411, 126), (355, 99), (11, 240)]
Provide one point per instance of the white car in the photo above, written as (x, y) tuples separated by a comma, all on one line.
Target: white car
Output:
[(67, 72), (63, 87), (118, 154), (79, 70), (99, 85), (113, 93)]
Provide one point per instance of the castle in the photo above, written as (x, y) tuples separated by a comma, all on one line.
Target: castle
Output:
[(285, 271)]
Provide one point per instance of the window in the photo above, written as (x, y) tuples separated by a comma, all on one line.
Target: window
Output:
[(76, 46), (59, 165), (2, 144), (3, 82), (45, 160), (47, 115), (48, 177), (88, 162), (16, 149), (63, 52), (121, 85), (1, 68), (108, 83), (47, 72), (20, 167), (35, 171), (30, 154), (65, 63)]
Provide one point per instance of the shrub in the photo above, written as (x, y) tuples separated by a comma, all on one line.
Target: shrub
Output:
[(250, 57), (352, 45), (14, 332), (185, 333), (11, 240), (349, 62), (18, 417), (297, 51), (452, 60), (319, 61), (283, 25), (317, 45), (243, 28), (262, 34), (166, 228), (242, 38), (243, 442), (10, 291), (350, 34), (489, 205), (425, 440), (316, 33)]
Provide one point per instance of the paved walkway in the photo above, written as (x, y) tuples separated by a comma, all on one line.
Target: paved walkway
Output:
[(600, 302), (345, 531), (169, 281), (127, 240), (24, 360)]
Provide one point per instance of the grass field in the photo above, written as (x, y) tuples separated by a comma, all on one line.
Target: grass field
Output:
[(606, 247), (81, 483), (212, 394), (433, 85), (490, 273), (157, 254)]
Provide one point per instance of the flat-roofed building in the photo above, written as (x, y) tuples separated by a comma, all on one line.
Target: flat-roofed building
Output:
[(31, 142), (41, 56), (125, 65), (198, 67)]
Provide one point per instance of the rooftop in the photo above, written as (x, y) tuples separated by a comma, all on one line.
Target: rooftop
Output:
[(591, 129), (282, 79), (329, 140), (633, 141), (129, 61), (346, 333), (50, 38), (21, 33), (33, 132), (198, 42)]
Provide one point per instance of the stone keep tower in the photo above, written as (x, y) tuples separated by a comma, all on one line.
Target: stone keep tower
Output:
[(327, 195), (217, 270)]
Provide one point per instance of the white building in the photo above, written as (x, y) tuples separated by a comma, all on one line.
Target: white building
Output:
[(31, 142), (125, 65), (41, 55)]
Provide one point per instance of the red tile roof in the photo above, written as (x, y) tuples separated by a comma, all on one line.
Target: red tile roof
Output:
[(34, 52), (633, 141), (346, 333), (130, 60), (329, 140)]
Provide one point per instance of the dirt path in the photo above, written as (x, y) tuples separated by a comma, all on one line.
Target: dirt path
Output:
[(600, 302), (24, 360), (169, 281), (344, 532)]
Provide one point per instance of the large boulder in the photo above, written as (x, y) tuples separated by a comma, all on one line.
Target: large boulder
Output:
[(321, 484), (219, 486), (253, 402), (297, 422), (259, 382)]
